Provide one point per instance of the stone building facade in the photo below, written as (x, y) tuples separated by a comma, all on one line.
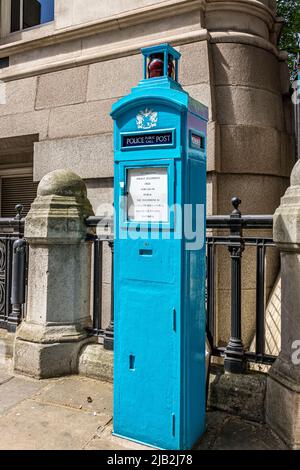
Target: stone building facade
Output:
[(62, 77)]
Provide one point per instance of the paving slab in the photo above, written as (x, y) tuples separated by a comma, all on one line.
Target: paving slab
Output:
[(79, 393), (16, 390), (6, 343), (215, 420), (104, 440), (238, 434), (6, 348), (76, 413), (5, 376), (38, 426)]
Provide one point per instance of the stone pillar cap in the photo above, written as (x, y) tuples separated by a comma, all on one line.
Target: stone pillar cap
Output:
[(62, 183), (59, 212)]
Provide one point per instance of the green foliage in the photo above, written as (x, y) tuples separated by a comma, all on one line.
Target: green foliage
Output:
[(289, 41)]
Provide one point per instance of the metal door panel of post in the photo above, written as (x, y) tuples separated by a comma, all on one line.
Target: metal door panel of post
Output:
[(149, 328)]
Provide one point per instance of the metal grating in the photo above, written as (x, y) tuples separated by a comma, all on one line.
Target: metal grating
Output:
[(17, 190)]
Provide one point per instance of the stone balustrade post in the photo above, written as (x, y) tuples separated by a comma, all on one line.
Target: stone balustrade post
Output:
[(283, 390), (47, 344)]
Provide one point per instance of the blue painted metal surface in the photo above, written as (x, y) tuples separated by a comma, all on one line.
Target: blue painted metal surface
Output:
[(159, 370)]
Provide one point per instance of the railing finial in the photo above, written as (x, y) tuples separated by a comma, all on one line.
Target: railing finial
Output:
[(235, 201), (19, 209)]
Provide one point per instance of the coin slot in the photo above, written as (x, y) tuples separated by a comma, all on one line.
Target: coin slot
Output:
[(144, 252)]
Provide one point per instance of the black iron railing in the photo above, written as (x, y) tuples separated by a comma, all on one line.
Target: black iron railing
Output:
[(13, 255), (235, 355), (105, 227)]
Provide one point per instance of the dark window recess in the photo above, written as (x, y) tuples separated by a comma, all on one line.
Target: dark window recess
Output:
[(15, 15), (4, 62), (17, 190), (31, 13)]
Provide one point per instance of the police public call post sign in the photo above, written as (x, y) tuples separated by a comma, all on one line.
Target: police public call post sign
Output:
[(142, 139), (159, 302)]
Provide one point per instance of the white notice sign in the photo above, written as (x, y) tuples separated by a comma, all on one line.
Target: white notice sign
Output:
[(147, 195)]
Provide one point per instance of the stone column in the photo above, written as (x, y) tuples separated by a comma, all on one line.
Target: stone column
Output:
[(58, 308), (242, 76), (283, 391)]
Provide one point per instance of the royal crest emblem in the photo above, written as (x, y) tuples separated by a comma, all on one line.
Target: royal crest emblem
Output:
[(147, 119)]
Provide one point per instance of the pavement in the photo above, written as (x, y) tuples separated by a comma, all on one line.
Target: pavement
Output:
[(74, 413)]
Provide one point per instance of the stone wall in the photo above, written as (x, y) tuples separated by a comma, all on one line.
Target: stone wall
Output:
[(64, 77), (84, 11)]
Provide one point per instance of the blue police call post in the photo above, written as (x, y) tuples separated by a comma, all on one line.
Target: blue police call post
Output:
[(160, 198)]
